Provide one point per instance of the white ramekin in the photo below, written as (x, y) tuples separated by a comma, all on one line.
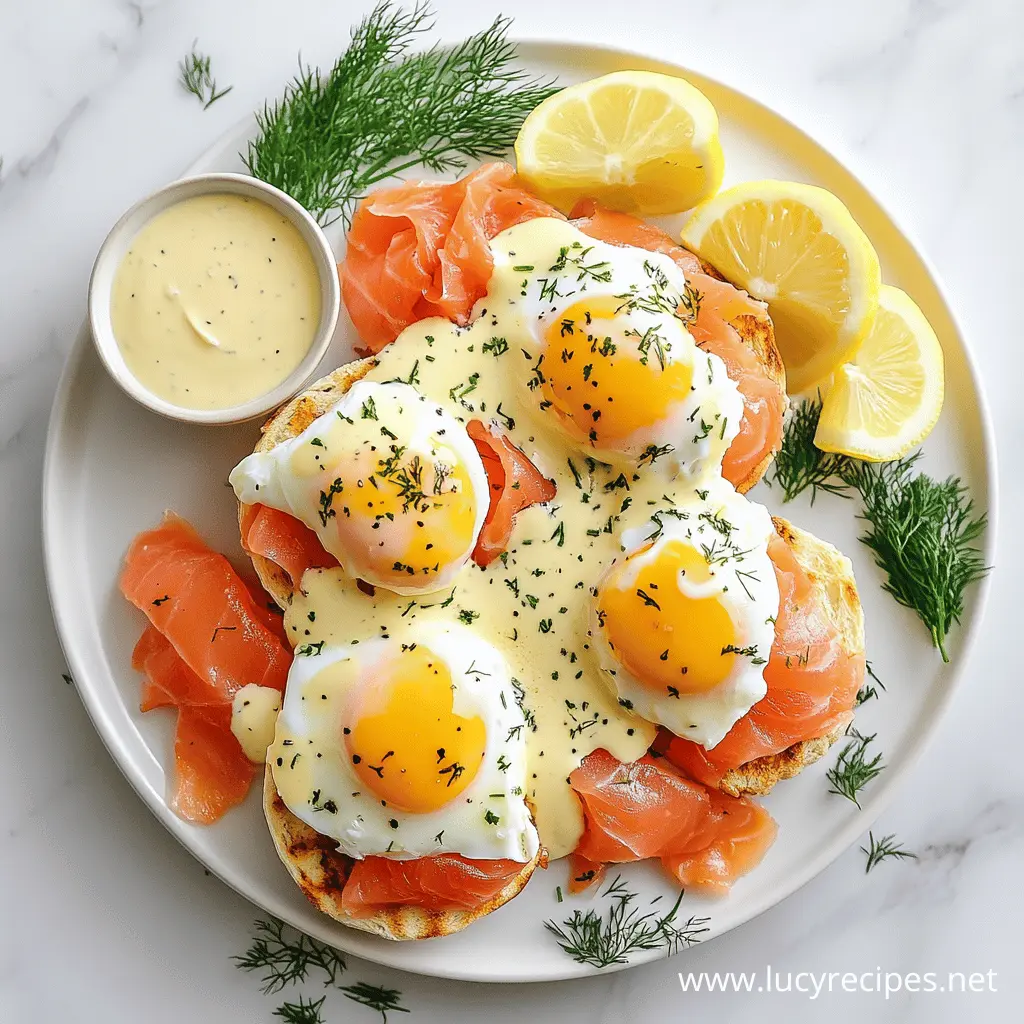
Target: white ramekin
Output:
[(122, 234)]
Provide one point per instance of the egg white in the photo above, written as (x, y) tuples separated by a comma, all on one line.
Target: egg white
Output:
[(344, 809), (419, 425), (752, 602), (698, 430)]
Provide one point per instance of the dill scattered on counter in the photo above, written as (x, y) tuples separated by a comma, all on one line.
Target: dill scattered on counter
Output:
[(376, 997), (283, 956), (878, 850), (609, 938), (301, 1012), (195, 77), (383, 108)]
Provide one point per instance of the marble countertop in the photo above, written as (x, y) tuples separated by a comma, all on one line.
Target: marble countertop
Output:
[(109, 920)]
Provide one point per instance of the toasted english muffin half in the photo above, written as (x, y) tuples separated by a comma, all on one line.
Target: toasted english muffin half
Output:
[(320, 871), (831, 576)]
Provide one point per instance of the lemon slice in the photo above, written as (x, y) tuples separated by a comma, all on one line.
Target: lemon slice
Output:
[(797, 247), (633, 140), (888, 398)]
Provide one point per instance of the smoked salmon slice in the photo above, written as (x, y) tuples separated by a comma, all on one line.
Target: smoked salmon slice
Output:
[(420, 249), (211, 772), (514, 483), (741, 833), (208, 636), (169, 681), (284, 540), (764, 401), (195, 598), (625, 229), (645, 809), (635, 811), (812, 682), (584, 873), (443, 882)]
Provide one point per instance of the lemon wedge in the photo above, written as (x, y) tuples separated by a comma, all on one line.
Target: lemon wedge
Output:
[(887, 399), (797, 247), (635, 141)]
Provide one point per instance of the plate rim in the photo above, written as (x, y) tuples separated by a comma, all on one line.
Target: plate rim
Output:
[(985, 489)]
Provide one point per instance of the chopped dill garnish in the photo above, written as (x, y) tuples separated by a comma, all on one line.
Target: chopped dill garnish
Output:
[(301, 1012), (865, 693), (386, 106), (598, 271), (853, 771), (799, 464), (195, 77), (653, 452), (376, 997), (869, 690), (459, 392), (689, 306), (283, 955), (922, 533), (604, 939), (878, 849)]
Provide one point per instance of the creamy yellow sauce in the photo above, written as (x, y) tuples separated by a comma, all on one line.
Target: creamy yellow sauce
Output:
[(216, 302), (254, 712), (535, 603), (321, 694)]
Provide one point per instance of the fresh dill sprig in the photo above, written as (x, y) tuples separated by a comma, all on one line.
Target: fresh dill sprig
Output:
[(922, 533), (853, 771), (301, 1012), (284, 956), (590, 938), (878, 849), (799, 464), (195, 77), (382, 109), (375, 997)]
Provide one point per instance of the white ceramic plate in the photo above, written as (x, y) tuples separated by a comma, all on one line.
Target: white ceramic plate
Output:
[(113, 468)]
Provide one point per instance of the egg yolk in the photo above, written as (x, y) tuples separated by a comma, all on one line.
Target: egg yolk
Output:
[(401, 516), (668, 640), (607, 378), (406, 744)]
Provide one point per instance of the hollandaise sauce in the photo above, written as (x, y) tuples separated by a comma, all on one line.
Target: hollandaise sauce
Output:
[(216, 301), (576, 356)]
